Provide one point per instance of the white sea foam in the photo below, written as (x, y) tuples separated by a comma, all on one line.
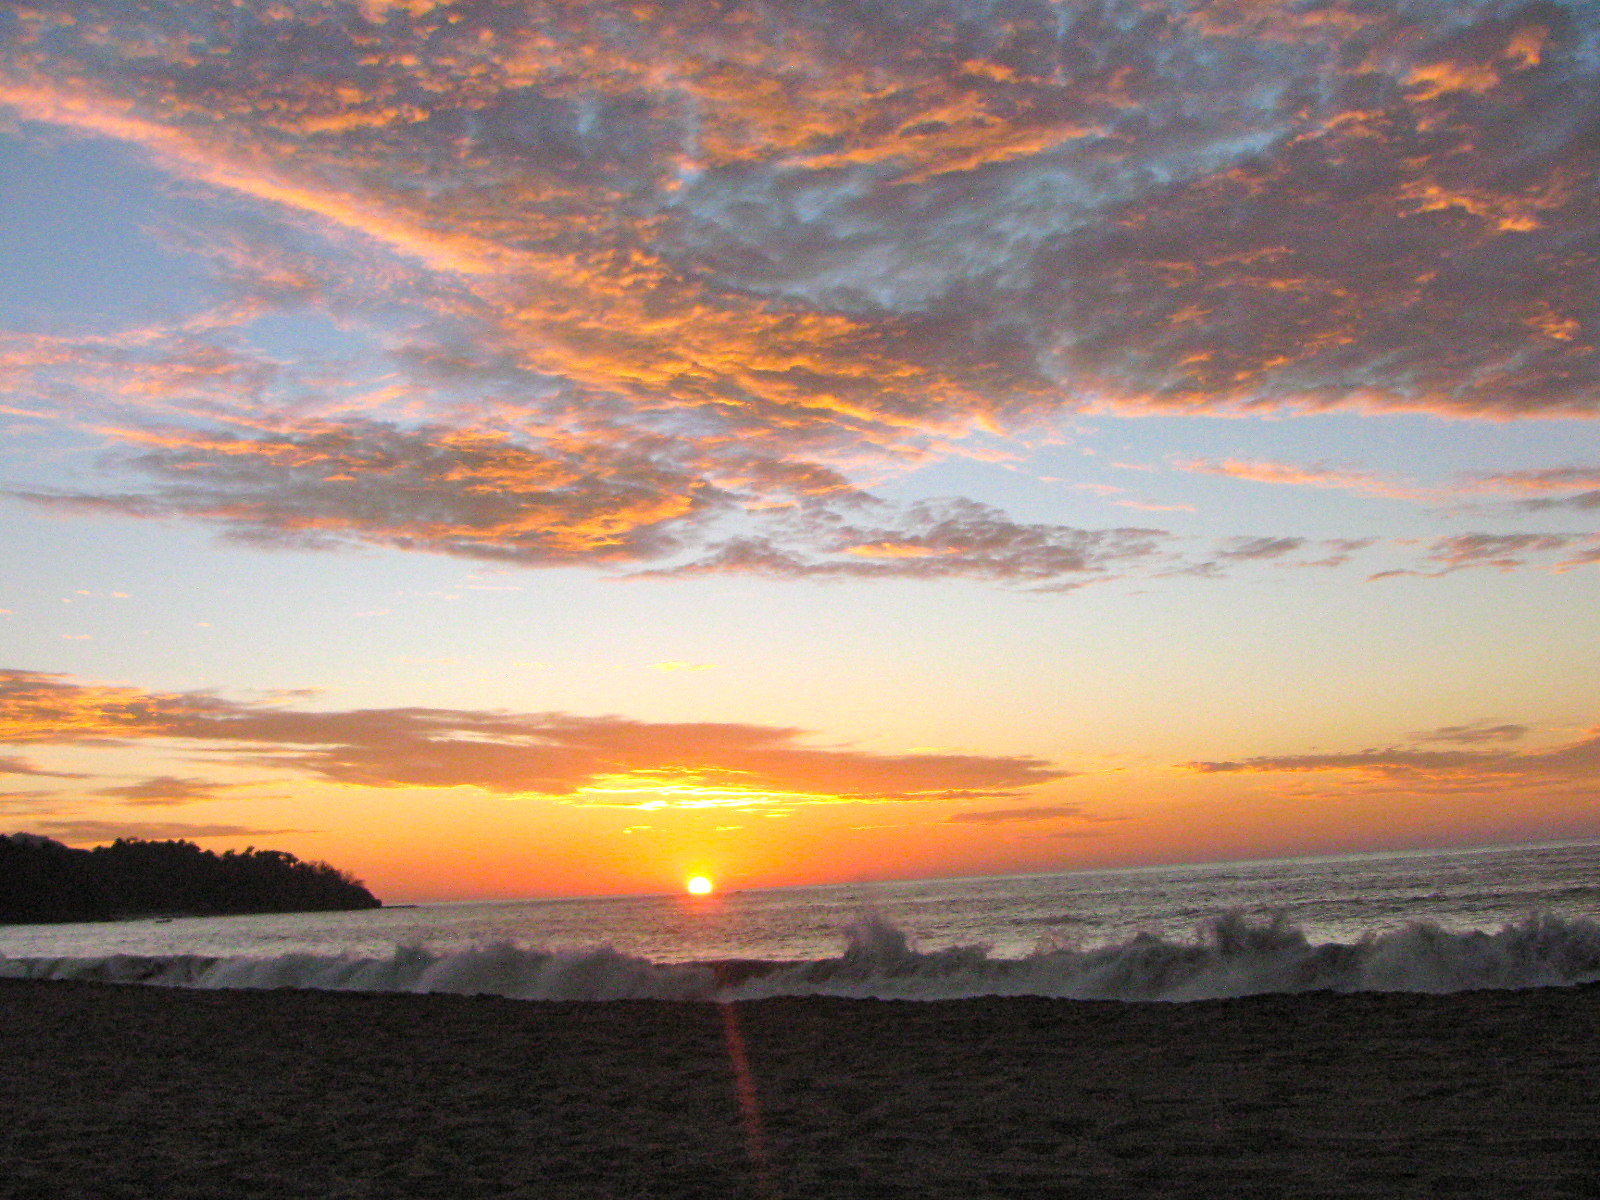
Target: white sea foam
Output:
[(1231, 955)]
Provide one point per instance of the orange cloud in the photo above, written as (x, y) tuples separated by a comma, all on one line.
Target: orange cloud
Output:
[(821, 223), (594, 495), (597, 759), (1316, 476), (80, 107), (654, 285)]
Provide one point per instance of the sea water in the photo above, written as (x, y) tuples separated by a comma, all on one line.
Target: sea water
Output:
[(1523, 916)]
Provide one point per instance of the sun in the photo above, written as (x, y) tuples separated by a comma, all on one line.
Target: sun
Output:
[(699, 885)]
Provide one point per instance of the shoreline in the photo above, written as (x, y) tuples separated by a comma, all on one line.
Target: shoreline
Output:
[(117, 1091)]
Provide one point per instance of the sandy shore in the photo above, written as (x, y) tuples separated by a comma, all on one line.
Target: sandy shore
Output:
[(109, 1092)]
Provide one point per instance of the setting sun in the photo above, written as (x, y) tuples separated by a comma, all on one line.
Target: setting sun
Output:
[(699, 885)]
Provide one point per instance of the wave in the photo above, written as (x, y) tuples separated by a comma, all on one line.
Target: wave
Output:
[(1232, 955)]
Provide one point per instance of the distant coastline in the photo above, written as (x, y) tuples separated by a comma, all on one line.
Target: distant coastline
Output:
[(43, 881)]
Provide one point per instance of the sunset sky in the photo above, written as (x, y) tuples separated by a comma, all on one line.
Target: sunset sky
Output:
[(514, 448)]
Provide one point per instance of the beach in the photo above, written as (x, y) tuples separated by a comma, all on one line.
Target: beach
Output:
[(111, 1092)]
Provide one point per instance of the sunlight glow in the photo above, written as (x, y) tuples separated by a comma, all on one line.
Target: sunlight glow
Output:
[(699, 885), (653, 791)]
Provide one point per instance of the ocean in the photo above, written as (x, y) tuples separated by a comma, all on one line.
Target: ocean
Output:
[(1434, 921)]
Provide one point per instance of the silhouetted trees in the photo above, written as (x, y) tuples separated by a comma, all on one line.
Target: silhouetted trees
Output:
[(43, 880)]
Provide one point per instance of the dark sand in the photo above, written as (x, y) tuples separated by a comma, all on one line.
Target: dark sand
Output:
[(110, 1092)]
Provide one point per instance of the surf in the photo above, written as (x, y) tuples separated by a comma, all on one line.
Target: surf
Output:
[(1230, 955)]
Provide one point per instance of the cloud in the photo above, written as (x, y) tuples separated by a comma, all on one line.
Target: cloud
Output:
[(1043, 812), (164, 790), (1256, 548), (1473, 734), (582, 497), (931, 539), (45, 708), (1548, 479), (1365, 483), (1388, 763), (1537, 485), (29, 803), (1572, 763), (624, 273), (1588, 556), (11, 765), (480, 495), (1232, 552), (606, 760), (1578, 502), (1340, 551), (1501, 551)]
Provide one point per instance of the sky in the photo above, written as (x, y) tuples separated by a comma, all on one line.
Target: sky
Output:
[(509, 449)]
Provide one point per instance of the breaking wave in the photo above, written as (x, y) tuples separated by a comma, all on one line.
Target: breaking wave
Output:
[(1232, 955)]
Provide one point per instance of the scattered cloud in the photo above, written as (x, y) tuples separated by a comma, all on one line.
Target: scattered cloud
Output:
[(594, 501), (1503, 552), (1340, 551), (1231, 552), (954, 215), (479, 495), (950, 538), (621, 282)]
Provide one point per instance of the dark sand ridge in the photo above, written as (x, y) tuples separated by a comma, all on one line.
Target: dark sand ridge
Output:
[(124, 1091)]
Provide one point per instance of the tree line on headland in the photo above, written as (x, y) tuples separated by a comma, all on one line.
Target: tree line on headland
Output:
[(42, 880)]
